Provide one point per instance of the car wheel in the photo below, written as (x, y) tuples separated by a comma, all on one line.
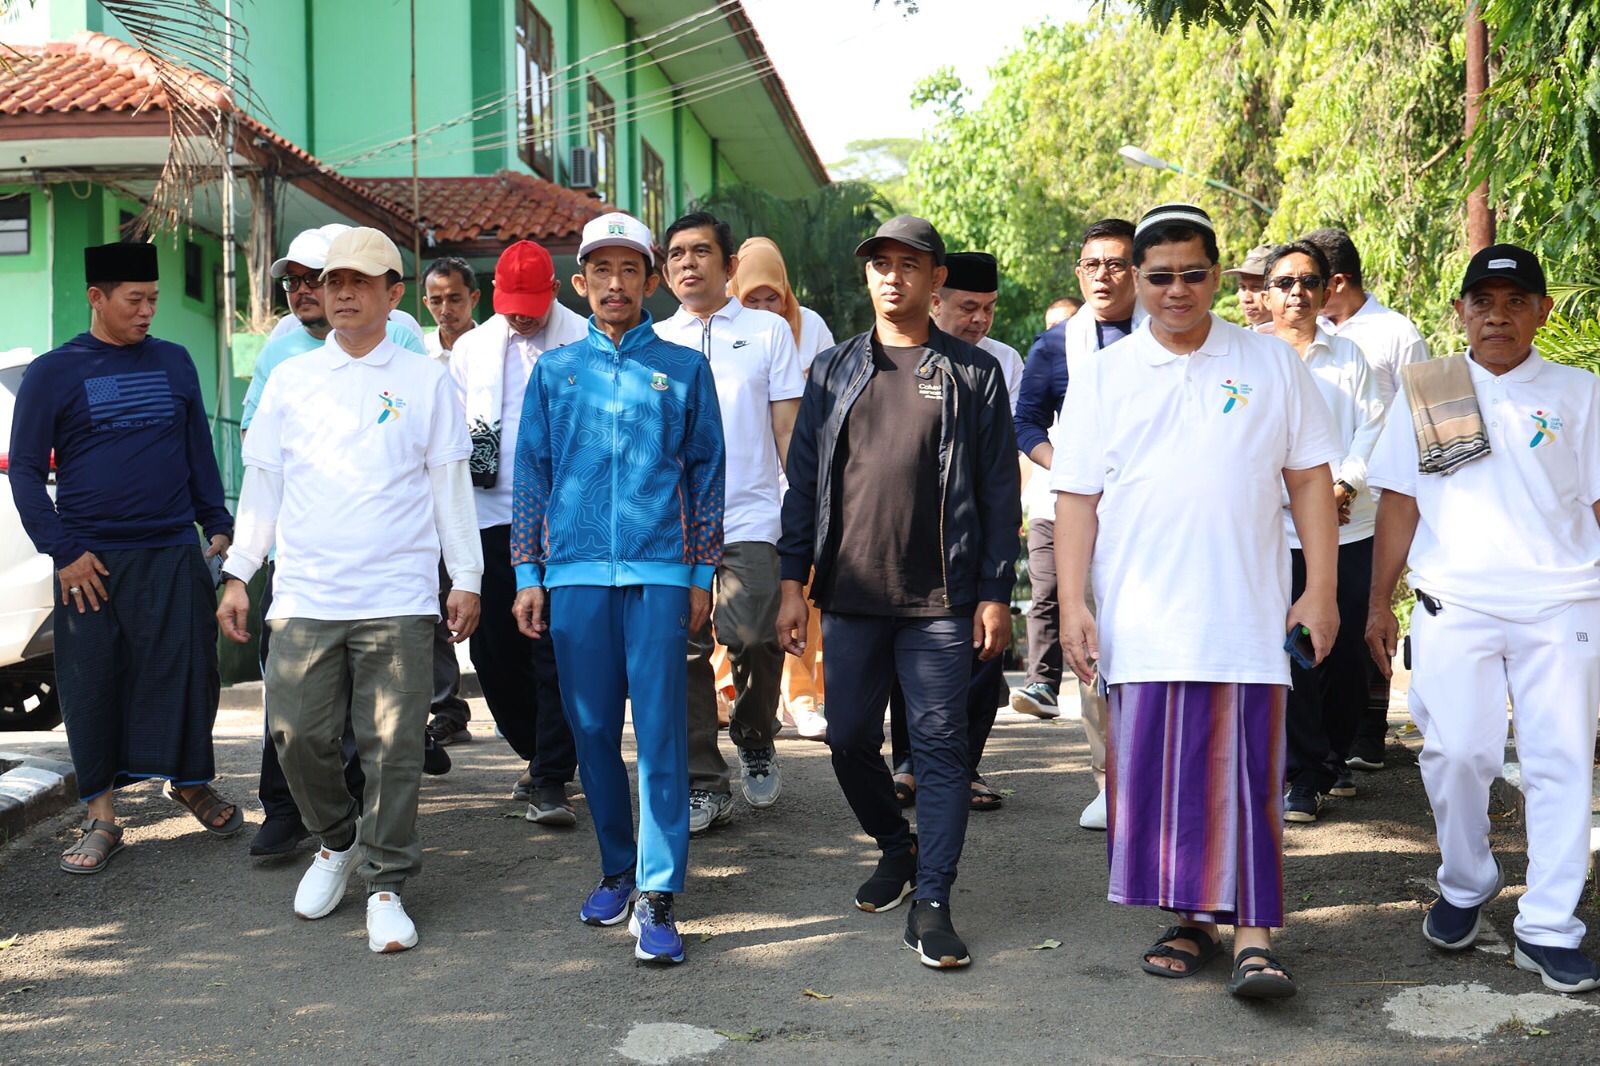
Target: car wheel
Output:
[(28, 696)]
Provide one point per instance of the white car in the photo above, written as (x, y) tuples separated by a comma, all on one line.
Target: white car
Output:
[(28, 697)]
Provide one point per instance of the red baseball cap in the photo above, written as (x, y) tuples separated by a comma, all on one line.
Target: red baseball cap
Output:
[(524, 281)]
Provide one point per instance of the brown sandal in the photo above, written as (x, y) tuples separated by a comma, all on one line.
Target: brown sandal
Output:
[(206, 805), (101, 839)]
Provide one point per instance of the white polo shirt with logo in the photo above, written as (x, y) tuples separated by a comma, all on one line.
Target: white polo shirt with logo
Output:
[(1191, 565), (1512, 534), (1387, 338), (1349, 387), (353, 440), (755, 363)]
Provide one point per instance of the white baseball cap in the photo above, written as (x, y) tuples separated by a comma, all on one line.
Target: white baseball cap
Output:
[(617, 230), (309, 248)]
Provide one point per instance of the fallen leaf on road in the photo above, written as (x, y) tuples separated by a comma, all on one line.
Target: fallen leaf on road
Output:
[(1006, 791), (17, 991), (1046, 945), (512, 814), (814, 994), (1534, 1030), (729, 1034), (8, 941), (706, 937)]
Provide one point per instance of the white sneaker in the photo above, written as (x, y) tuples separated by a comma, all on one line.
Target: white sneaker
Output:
[(322, 887), (389, 928), (1094, 815), (810, 724)]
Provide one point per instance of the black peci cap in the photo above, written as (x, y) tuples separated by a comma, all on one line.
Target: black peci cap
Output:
[(119, 262), (909, 230), (972, 272)]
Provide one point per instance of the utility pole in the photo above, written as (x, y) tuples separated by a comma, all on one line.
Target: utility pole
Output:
[(416, 194), (1480, 216), (229, 267)]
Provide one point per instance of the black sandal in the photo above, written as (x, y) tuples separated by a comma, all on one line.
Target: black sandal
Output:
[(1252, 981), (905, 792), (1193, 963), (984, 798)]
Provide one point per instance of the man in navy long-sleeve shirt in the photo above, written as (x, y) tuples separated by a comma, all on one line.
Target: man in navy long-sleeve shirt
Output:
[(135, 638), (1105, 271)]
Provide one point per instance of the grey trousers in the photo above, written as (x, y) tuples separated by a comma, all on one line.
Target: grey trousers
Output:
[(1093, 706), (1044, 617), (746, 619), (382, 670)]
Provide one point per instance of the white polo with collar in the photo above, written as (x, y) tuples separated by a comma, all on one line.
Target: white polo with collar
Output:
[(755, 364), (1387, 338), (1349, 386), (1512, 534), (1191, 565), (353, 440)]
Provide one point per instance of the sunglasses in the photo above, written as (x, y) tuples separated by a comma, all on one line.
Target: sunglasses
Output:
[(291, 282), (1113, 266), (1309, 282), (1162, 278)]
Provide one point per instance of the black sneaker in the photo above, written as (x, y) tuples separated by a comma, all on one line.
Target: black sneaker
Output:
[(435, 760), (930, 934), (445, 732), (278, 836), (893, 880), (1344, 785), (1301, 804)]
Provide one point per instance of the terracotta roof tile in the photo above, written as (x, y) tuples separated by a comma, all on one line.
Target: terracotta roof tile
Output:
[(506, 206)]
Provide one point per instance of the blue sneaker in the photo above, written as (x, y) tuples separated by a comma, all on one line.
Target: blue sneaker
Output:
[(608, 903), (1563, 969), (657, 930), (1456, 928)]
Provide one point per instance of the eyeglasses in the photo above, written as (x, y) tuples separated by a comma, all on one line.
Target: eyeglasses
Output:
[(1162, 278), (1309, 282), (291, 282), (1112, 266)]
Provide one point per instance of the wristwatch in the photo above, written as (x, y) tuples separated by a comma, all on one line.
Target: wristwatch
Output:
[(1349, 489)]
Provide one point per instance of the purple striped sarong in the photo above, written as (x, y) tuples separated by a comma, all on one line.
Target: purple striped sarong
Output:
[(1194, 779)]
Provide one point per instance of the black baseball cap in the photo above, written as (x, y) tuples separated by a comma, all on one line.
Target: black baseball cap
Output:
[(909, 230), (1516, 265)]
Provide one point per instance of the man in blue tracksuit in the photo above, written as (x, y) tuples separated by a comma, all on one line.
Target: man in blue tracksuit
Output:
[(617, 519)]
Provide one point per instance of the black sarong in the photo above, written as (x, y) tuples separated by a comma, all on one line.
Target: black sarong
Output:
[(138, 678)]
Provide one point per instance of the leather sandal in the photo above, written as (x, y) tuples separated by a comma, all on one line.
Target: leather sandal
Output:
[(205, 805), (1193, 962), (1252, 981), (101, 839)]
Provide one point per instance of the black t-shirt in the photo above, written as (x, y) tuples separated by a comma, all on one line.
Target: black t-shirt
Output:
[(886, 492), (1109, 333)]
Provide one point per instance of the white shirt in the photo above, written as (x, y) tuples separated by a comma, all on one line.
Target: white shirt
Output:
[(1387, 338), (755, 364), (353, 441), (435, 346), (1349, 387), (288, 323), (1191, 568), (1010, 366), (1511, 534), (815, 338), (519, 353)]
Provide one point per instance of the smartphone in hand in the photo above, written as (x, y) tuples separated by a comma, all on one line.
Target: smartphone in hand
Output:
[(1301, 650)]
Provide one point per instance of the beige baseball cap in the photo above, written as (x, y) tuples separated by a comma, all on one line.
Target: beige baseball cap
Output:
[(1254, 265), (364, 250)]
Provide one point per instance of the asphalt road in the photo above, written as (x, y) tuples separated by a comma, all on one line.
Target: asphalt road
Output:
[(186, 950)]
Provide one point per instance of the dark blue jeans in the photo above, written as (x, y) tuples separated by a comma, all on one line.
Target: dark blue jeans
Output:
[(932, 660)]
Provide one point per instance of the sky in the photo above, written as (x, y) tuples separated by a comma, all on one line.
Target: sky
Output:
[(850, 69)]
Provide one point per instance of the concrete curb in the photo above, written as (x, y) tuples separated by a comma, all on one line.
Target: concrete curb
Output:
[(31, 790)]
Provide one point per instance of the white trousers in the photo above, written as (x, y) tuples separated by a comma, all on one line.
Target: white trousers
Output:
[(1463, 663)]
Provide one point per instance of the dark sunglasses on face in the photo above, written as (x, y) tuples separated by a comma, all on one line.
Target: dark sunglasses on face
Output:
[(291, 282), (1309, 282), (1162, 278)]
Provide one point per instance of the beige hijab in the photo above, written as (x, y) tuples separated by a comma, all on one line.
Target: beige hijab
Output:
[(760, 263)]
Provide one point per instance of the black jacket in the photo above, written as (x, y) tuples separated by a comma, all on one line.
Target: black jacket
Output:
[(981, 508)]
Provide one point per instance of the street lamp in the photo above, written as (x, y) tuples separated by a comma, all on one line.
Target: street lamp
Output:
[(1138, 157)]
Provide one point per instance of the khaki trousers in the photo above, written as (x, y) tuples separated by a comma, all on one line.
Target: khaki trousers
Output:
[(382, 669)]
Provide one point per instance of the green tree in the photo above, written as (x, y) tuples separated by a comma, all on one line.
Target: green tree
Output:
[(885, 163)]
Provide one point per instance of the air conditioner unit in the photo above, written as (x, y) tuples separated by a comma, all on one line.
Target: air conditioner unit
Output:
[(581, 170)]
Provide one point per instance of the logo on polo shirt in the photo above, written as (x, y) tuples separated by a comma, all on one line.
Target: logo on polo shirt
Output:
[(392, 406), (658, 381), (740, 343), (1546, 423), (1237, 393)]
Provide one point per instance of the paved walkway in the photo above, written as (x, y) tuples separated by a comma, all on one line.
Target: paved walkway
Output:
[(186, 951)]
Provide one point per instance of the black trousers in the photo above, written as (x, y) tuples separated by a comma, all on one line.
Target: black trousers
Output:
[(518, 675), (448, 706), (1326, 702), (273, 789), (985, 692)]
